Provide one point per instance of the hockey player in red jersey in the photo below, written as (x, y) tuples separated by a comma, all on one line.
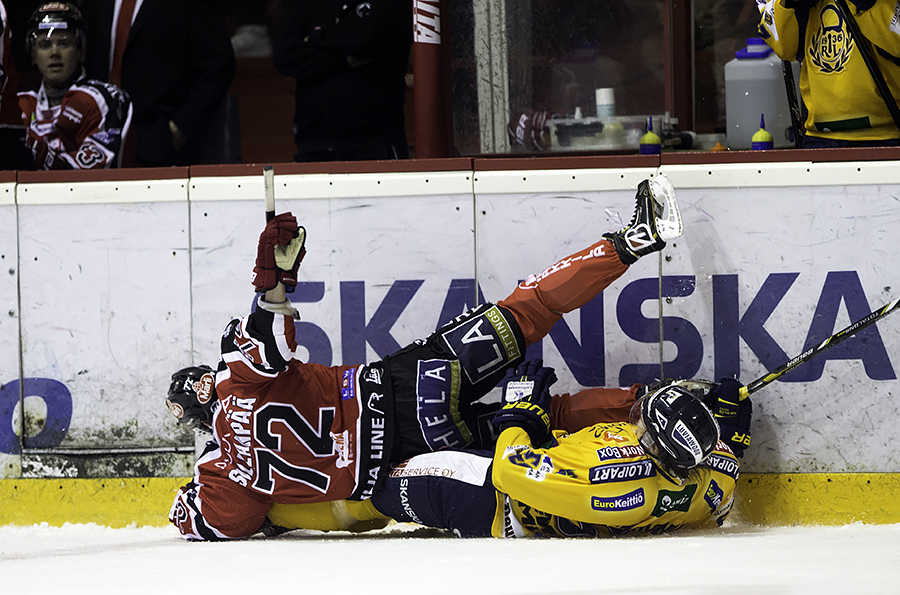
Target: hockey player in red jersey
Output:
[(289, 432), (71, 122), (654, 463)]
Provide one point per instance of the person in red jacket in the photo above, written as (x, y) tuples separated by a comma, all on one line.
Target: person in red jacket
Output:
[(289, 432), (71, 122)]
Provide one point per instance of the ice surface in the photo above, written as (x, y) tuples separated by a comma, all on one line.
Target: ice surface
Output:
[(738, 559)]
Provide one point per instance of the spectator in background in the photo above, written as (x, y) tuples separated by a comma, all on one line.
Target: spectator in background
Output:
[(845, 108), (174, 58), (71, 122), (350, 60), (251, 39)]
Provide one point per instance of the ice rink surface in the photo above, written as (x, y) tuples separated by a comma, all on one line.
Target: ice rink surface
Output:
[(736, 560)]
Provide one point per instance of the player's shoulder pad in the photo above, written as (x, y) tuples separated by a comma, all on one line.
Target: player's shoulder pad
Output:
[(108, 97), (723, 460), (107, 89)]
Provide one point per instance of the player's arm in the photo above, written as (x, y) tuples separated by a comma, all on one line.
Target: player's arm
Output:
[(874, 18), (201, 513), (213, 507), (591, 406), (719, 485), (57, 147), (535, 476), (779, 27), (520, 470), (265, 339), (80, 117)]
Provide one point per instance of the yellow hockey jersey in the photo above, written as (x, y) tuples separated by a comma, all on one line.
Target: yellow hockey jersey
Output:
[(599, 481), (835, 83)]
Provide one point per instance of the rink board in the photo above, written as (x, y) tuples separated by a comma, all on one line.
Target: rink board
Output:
[(123, 282), (764, 499), (9, 321), (381, 270)]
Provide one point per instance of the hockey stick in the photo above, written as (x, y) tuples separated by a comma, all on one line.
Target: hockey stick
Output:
[(269, 182), (807, 355), (793, 103)]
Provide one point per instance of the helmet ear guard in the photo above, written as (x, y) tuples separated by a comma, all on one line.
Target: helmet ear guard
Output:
[(192, 396)]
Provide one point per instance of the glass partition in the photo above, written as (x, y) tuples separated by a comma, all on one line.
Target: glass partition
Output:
[(529, 75)]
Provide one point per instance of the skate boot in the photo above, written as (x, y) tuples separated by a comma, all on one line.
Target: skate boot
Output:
[(656, 219)]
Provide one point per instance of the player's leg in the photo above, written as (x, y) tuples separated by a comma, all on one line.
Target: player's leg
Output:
[(591, 406), (446, 490), (433, 380), (541, 300)]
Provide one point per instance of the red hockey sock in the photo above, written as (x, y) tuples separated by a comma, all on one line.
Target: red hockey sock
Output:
[(541, 300)]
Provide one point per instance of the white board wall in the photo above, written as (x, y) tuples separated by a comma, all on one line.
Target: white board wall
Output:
[(131, 283)]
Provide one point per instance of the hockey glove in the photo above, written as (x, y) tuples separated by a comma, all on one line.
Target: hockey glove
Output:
[(278, 256), (733, 415), (526, 400)]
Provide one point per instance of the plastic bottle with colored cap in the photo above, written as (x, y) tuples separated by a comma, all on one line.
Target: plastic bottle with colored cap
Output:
[(762, 140), (651, 144), (754, 83)]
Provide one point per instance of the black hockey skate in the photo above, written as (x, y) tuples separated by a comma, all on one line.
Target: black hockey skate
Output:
[(656, 220)]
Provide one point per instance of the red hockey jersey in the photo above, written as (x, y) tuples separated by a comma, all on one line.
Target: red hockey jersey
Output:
[(284, 431), (85, 131)]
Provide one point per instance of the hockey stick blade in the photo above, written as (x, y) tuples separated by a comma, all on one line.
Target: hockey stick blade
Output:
[(269, 183), (828, 343)]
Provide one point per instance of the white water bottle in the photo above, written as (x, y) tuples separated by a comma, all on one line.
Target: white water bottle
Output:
[(754, 85)]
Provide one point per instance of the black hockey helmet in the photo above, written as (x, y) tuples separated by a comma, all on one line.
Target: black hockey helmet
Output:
[(192, 395), (51, 16), (675, 426)]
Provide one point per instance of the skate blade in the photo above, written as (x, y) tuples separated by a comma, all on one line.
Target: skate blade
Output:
[(670, 225)]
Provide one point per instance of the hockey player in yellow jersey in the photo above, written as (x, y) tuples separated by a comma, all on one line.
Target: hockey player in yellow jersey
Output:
[(665, 468), (844, 106)]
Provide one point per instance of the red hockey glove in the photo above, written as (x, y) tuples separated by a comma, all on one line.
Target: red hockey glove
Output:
[(278, 256), (526, 400)]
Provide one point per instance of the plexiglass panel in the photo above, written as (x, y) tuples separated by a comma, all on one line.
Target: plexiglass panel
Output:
[(516, 64)]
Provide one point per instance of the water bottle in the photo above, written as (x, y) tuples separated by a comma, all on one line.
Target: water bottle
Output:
[(754, 85)]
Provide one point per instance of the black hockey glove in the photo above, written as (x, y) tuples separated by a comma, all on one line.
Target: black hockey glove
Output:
[(526, 400), (733, 415)]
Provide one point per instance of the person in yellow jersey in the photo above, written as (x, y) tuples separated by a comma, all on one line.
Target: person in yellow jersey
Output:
[(844, 106), (666, 467)]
